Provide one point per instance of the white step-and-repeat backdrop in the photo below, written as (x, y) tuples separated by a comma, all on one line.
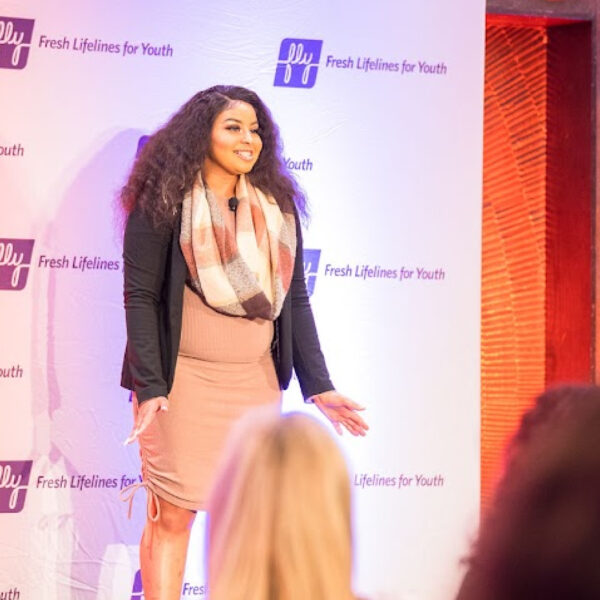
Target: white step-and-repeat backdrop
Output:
[(380, 109)]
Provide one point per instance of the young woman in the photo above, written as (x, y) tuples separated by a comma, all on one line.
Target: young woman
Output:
[(216, 307)]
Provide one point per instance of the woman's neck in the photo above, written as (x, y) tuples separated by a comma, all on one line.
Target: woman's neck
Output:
[(221, 184)]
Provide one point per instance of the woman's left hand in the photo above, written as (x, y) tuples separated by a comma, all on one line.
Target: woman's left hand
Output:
[(341, 411)]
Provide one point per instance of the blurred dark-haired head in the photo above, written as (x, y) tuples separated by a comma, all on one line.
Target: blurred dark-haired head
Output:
[(541, 536)]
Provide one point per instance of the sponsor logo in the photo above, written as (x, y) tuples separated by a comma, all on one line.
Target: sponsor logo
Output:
[(141, 143), (299, 165), (79, 263), (298, 63), (12, 372), (84, 482), (400, 481), (137, 593), (367, 272), (15, 258), (14, 479), (15, 41), (368, 64), (311, 267), (188, 589), (14, 150), (87, 46)]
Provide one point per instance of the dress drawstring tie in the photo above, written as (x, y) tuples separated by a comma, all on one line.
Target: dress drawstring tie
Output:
[(128, 492)]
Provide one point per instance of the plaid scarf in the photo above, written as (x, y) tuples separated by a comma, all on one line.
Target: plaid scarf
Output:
[(243, 270)]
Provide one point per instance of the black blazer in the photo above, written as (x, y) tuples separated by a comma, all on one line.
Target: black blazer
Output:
[(155, 274)]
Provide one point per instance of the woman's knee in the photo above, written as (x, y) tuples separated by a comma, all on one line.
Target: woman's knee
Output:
[(173, 519)]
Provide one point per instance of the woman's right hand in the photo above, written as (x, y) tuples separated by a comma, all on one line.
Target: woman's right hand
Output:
[(144, 413)]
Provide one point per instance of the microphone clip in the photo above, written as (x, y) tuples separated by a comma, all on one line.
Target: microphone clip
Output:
[(233, 203)]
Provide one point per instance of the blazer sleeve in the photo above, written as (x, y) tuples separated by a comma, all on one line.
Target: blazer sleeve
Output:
[(145, 252), (308, 359)]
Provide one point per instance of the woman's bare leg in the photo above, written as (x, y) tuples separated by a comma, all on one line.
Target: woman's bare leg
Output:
[(163, 550)]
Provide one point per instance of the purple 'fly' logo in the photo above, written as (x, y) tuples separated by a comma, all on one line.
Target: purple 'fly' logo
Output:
[(298, 63), (141, 143), (311, 267), (15, 40), (137, 593), (15, 258), (14, 479)]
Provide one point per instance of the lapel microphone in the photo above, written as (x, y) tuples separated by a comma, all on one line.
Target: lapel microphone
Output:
[(233, 203)]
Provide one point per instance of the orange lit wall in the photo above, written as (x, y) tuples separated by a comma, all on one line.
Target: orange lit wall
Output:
[(536, 292), (513, 261)]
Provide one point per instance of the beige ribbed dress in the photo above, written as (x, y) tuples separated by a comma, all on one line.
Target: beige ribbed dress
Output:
[(224, 368)]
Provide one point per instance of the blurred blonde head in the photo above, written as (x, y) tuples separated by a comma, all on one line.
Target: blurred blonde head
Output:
[(279, 525)]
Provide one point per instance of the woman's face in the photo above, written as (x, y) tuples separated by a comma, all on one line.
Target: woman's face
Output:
[(235, 143)]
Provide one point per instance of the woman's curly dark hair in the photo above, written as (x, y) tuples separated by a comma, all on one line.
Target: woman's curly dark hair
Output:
[(167, 165)]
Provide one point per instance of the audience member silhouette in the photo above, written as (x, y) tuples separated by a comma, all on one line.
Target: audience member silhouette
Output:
[(541, 536), (279, 513)]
